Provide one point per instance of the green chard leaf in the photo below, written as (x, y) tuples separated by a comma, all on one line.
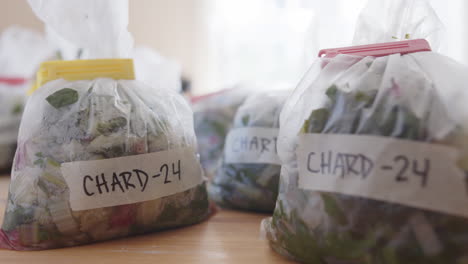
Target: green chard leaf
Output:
[(58, 54), (63, 97), (17, 109), (245, 120), (112, 125), (219, 128), (365, 97), (53, 162), (39, 162), (331, 92), (305, 127), (316, 121), (333, 209)]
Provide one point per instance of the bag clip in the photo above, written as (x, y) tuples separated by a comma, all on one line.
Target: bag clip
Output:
[(84, 70), (13, 81), (379, 50)]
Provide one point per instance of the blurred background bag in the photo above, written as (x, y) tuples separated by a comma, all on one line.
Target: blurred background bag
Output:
[(21, 52), (248, 174)]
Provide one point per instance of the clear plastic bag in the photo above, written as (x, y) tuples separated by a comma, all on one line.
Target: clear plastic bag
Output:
[(106, 119), (213, 116), (411, 100), (385, 21), (97, 27), (251, 184), (100, 158)]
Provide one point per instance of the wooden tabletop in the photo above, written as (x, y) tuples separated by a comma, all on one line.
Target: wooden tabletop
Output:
[(227, 237)]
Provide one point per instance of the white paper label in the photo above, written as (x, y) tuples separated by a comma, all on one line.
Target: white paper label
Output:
[(251, 145), (411, 173), (131, 179)]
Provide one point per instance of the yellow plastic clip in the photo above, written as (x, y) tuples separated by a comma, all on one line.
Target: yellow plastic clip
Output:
[(84, 70)]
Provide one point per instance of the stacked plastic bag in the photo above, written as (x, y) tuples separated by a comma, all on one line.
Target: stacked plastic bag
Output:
[(248, 175), (374, 154), (21, 52), (100, 155)]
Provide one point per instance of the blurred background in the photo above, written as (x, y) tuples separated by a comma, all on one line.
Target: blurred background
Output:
[(218, 43)]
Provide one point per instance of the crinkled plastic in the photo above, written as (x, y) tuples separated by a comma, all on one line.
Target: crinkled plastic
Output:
[(419, 97), (251, 186), (94, 120), (393, 20), (213, 116), (98, 27), (66, 50), (155, 70)]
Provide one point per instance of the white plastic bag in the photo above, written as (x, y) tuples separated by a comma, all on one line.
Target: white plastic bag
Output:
[(385, 21), (99, 28), (155, 70), (66, 50), (374, 159), (100, 158)]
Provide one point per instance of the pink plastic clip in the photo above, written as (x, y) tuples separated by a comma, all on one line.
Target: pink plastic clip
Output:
[(381, 49), (13, 80)]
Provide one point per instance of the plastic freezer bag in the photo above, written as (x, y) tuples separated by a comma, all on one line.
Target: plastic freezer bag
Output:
[(102, 159), (248, 175), (213, 116), (374, 160)]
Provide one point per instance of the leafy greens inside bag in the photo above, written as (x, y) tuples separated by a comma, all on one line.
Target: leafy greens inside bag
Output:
[(374, 158), (213, 116), (248, 175)]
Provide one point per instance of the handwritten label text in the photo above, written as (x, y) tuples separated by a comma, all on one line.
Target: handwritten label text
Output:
[(131, 179), (251, 145), (411, 173)]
